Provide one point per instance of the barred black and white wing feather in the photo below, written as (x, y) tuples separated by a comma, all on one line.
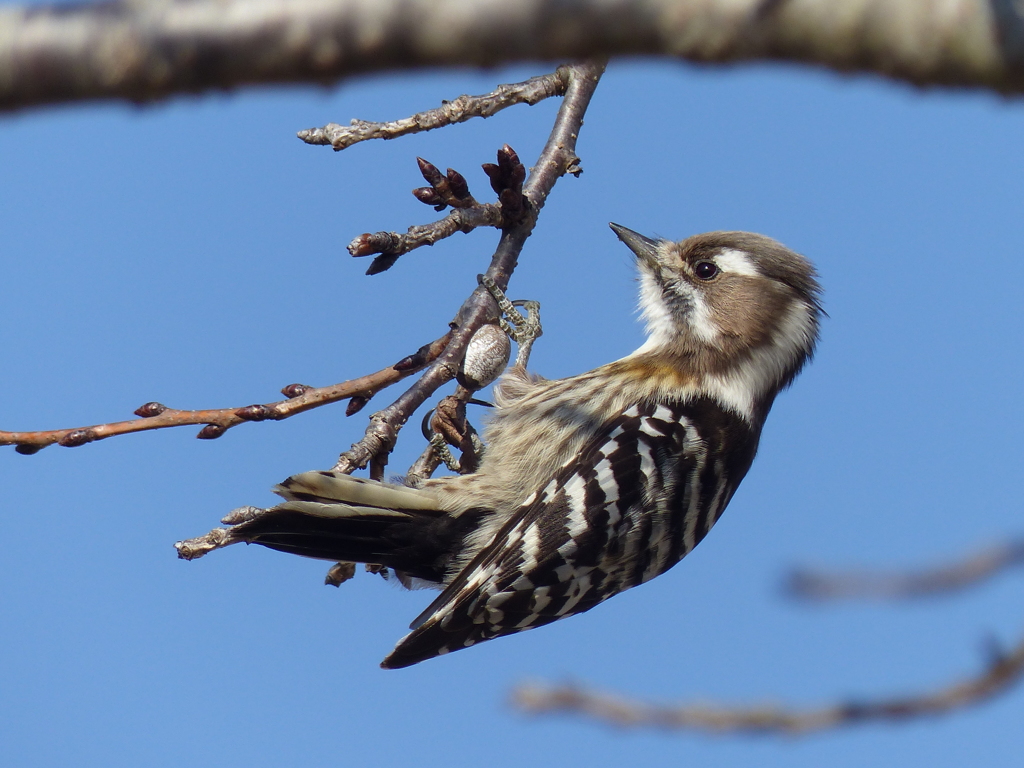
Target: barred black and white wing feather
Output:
[(641, 495)]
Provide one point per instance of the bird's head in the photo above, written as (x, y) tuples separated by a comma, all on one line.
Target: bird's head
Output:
[(736, 309)]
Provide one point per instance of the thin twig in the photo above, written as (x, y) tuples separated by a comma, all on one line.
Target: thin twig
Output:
[(557, 159), (450, 189), (394, 244), (862, 585), (459, 110), (300, 398), (1000, 675)]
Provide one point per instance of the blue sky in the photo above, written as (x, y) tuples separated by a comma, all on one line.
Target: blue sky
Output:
[(192, 253)]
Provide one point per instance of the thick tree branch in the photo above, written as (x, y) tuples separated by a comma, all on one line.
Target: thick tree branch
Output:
[(150, 49), (864, 585), (1001, 674), (300, 398)]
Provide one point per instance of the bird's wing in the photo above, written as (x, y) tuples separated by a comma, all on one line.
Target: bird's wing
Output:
[(622, 511)]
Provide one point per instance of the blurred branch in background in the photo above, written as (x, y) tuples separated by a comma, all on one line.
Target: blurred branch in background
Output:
[(150, 49), (976, 569), (1003, 670), (1000, 675)]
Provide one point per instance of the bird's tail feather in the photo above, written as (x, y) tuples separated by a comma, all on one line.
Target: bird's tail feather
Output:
[(332, 516), (336, 488)]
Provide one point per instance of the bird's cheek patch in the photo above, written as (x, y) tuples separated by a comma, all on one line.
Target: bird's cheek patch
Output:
[(699, 316)]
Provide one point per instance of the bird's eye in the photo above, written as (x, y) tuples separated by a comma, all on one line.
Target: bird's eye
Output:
[(705, 270)]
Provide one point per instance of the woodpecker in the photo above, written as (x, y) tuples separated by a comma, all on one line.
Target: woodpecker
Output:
[(592, 484)]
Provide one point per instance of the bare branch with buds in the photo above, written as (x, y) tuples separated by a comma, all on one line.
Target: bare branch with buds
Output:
[(515, 213), (557, 158), (459, 110), (446, 190), (217, 421), (520, 200)]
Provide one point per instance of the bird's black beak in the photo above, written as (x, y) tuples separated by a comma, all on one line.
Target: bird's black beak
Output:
[(645, 248)]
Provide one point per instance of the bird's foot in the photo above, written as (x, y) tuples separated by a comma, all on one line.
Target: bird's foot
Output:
[(522, 330)]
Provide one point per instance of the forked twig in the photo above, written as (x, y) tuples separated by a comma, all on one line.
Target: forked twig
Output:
[(395, 244), (557, 159), (451, 189)]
